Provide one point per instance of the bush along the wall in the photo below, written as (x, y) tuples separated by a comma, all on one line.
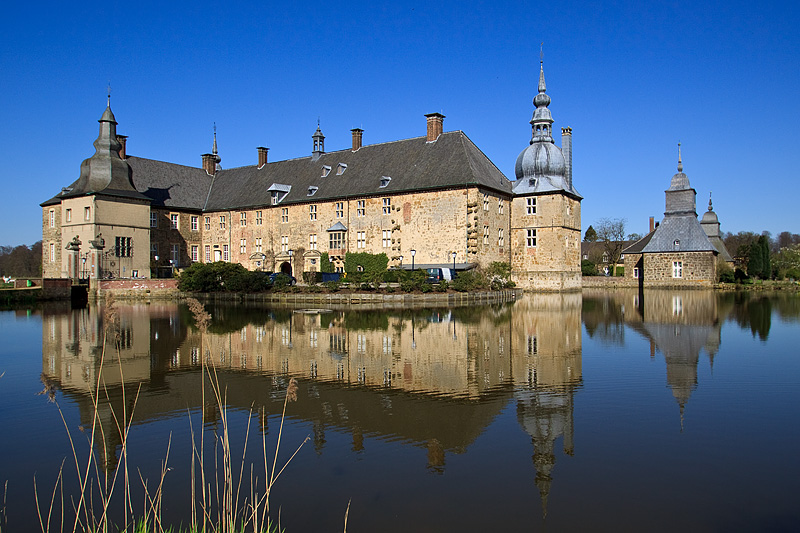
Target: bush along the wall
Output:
[(365, 263)]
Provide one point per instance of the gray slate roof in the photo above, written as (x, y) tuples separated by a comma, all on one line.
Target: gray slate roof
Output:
[(170, 185), (686, 229)]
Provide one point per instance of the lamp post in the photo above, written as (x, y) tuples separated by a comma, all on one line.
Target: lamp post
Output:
[(454, 262), (413, 253), (401, 262), (156, 258), (291, 270)]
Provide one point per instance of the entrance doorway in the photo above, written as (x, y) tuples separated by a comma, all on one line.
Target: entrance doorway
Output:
[(286, 268)]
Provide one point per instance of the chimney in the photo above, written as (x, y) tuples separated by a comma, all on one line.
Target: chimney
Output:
[(210, 163), (435, 126), (566, 149), (652, 224), (262, 156), (122, 140), (357, 134)]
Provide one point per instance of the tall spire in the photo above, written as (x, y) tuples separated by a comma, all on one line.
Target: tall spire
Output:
[(214, 146), (542, 121), (680, 163)]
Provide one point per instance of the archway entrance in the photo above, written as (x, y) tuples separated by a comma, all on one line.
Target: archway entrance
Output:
[(286, 268)]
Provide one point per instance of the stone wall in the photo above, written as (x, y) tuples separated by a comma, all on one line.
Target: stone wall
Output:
[(51, 242), (698, 269), (136, 288)]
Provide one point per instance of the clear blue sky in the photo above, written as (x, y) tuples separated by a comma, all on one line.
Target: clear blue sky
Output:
[(631, 79)]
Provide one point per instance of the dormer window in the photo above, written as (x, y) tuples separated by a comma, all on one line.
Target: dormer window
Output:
[(385, 181), (340, 169), (326, 169), (677, 244), (532, 182), (274, 197), (278, 192), (312, 190)]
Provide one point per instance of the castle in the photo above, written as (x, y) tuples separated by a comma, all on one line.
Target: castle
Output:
[(434, 200)]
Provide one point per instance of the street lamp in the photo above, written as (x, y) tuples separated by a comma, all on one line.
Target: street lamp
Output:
[(454, 262), (401, 261), (156, 258), (413, 253)]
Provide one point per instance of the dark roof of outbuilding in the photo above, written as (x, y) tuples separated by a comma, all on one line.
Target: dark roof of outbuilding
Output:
[(638, 246), (685, 229), (413, 164)]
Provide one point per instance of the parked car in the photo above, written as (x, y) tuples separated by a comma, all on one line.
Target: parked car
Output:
[(291, 280), (435, 275)]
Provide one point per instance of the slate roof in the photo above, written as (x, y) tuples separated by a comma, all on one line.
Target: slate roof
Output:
[(685, 229), (638, 246), (170, 185)]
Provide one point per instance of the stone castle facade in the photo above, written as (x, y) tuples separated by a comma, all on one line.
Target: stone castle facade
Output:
[(435, 200)]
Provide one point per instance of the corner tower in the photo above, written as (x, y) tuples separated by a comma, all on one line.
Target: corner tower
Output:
[(546, 208)]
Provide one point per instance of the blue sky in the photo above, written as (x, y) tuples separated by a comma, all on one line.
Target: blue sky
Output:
[(632, 79)]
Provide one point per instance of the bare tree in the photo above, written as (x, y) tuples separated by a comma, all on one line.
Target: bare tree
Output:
[(611, 232)]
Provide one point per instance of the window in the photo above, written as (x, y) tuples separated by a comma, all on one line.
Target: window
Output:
[(337, 240), (122, 247), (500, 206), (258, 218), (361, 208), (52, 252), (530, 206), (676, 244), (326, 169), (52, 218), (243, 246), (243, 219), (284, 243), (274, 197), (312, 212), (485, 201), (312, 190), (69, 215), (387, 238), (222, 222), (340, 169), (153, 219), (361, 239), (677, 269), (387, 206), (486, 235), (636, 272), (312, 241), (87, 213), (153, 249), (175, 254), (207, 223), (207, 253), (195, 250), (385, 181), (530, 240), (258, 245), (500, 239), (284, 214), (339, 209), (226, 253), (194, 223)]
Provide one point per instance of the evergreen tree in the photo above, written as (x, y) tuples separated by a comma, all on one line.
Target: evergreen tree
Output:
[(591, 235), (766, 266), (755, 260)]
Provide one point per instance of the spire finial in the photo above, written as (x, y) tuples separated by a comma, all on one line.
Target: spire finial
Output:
[(108, 90), (542, 86), (710, 207), (541, 53), (214, 146), (680, 163)]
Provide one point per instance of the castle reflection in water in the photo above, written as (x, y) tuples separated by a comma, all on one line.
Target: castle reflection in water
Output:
[(433, 378)]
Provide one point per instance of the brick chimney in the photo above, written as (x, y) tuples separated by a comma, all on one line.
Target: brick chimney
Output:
[(566, 149), (435, 126), (210, 163), (357, 134), (652, 224), (262, 156), (122, 140)]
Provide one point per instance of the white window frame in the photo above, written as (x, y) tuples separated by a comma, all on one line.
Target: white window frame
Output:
[(361, 208), (69, 215), (312, 212), (195, 223), (175, 254), (243, 246), (207, 251), (387, 206), (486, 201), (312, 241), (258, 218), (361, 239), (387, 238), (530, 238), (222, 222), (207, 223), (226, 252), (258, 245), (243, 219), (530, 205), (195, 252), (486, 235), (677, 269), (174, 221), (500, 237), (500, 206), (336, 240), (52, 218), (339, 209), (87, 213), (284, 215), (284, 243)]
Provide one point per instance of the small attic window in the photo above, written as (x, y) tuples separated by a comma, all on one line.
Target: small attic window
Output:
[(340, 169), (532, 182), (326, 169), (677, 244), (385, 181), (312, 190)]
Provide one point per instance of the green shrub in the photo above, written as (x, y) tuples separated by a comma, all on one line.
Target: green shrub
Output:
[(369, 263), (442, 286), (620, 271), (727, 276), (426, 287), (588, 268), (468, 281), (332, 286), (221, 276)]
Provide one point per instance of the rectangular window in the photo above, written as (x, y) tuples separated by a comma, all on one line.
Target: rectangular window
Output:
[(52, 218), (361, 239), (636, 272), (485, 201), (87, 213), (207, 252), (530, 240), (226, 253), (222, 222), (122, 247), (243, 219), (258, 245), (677, 269), (153, 249), (486, 235), (52, 253), (339, 209), (153, 219), (387, 206), (500, 206), (175, 254), (195, 223), (243, 246), (312, 241), (361, 208), (337, 240), (387, 238), (312, 212), (195, 250), (207, 223), (531, 206), (69, 215), (258, 218), (284, 243), (274, 198), (284, 214), (500, 239), (173, 218)]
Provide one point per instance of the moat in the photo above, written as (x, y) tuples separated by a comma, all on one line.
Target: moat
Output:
[(606, 410)]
